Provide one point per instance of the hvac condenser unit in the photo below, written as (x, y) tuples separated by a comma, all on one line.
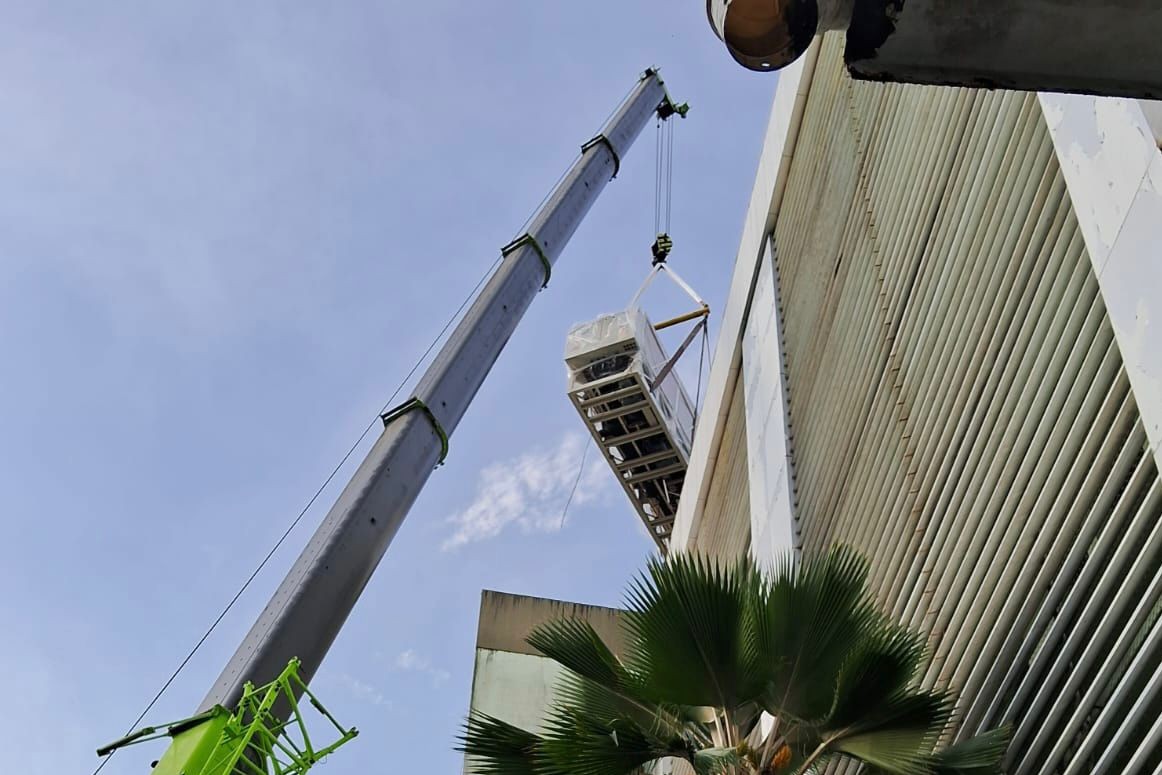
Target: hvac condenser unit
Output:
[(644, 426)]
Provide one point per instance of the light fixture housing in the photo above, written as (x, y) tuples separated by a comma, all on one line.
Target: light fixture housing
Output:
[(1030, 45), (765, 35)]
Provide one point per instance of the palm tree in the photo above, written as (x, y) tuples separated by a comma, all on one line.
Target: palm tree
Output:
[(738, 673)]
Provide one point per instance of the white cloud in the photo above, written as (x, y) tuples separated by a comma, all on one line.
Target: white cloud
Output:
[(362, 691), (411, 661), (529, 492)]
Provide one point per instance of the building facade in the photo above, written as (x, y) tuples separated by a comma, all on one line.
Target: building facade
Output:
[(940, 347)]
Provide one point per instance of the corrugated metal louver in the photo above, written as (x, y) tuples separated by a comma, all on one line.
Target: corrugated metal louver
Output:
[(961, 413), (725, 528)]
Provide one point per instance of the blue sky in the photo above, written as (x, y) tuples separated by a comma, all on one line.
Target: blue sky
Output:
[(227, 230)]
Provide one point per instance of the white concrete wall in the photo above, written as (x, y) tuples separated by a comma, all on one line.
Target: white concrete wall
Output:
[(520, 689), (772, 495), (1113, 168), (1152, 109), (517, 688), (512, 681)]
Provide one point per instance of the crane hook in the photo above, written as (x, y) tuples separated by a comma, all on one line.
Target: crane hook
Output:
[(661, 248)]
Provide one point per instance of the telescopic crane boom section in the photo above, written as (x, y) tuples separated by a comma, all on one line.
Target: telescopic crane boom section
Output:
[(312, 603)]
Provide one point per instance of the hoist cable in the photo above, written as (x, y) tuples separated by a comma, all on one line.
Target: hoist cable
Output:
[(669, 170), (658, 177), (663, 175), (294, 523), (657, 168)]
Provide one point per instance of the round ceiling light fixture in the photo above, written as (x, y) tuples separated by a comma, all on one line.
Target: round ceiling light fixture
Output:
[(766, 35)]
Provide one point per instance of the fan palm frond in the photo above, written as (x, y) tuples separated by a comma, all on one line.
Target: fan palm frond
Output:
[(899, 735), (713, 761), (684, 622), (711, 645), (980, 755), (805, 624), (878, 671), (599, 686), (497, 747), (577, 744)]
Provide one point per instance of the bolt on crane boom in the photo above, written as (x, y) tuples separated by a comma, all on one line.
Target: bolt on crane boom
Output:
[(312, 603)]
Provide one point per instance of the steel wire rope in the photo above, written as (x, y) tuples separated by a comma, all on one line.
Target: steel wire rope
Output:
[(658, 176), (669, 170), (295, 522)]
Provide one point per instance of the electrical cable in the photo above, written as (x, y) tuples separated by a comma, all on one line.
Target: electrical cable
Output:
[(294, 523)]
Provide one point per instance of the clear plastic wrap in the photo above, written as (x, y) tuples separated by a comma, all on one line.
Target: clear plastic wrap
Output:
[(623, 342), (611, 334)]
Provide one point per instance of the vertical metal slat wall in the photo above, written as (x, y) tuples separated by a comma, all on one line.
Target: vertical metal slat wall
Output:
[(960, 412)]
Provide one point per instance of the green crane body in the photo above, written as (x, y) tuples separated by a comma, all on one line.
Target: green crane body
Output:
[(251, 740)]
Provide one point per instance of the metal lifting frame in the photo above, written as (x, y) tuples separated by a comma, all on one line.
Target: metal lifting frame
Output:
[(702, 312), (673, 361), (703, 308)]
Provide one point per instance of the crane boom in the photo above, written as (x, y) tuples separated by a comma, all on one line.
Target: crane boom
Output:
[(312, 603), (247, 720)]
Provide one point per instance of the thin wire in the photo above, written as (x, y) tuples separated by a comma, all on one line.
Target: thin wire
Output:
[(294, 523), (701, 361), (621, 104), (572, 163), (537, 211), (577, 481)]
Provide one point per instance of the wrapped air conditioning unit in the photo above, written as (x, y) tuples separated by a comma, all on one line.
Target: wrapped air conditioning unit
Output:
[(643, 426)]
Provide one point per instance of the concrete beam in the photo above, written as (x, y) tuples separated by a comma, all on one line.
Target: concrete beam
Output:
[(1028, 45), (1113, 169), (506, 620)]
